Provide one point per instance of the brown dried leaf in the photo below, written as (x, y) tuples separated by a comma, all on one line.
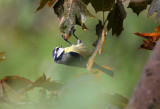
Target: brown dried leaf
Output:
[(2, 53), (10, 87), (2, 58), (42, 3), (17, 83), (46, 83), (151, 38), (50, 3), (148, 45), (11, 95)]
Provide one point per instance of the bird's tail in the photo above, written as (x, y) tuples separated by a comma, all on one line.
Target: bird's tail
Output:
[(107, 70)]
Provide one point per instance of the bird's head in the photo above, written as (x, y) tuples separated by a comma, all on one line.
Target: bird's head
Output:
[(58, 53)]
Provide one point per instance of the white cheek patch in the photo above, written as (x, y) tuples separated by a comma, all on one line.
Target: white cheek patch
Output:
[(60, 51)]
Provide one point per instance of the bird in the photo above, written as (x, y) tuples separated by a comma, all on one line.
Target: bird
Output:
[(76, 55)]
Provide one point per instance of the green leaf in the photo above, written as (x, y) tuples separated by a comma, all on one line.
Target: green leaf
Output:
[(154, 7), (115, 18), (138, 7), (98, 4), (70, 13)]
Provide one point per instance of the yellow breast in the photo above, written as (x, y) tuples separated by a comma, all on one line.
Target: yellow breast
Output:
[(80, 49)]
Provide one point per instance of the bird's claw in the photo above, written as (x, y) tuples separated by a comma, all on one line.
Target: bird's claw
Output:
[(79, 41), (60, 46)]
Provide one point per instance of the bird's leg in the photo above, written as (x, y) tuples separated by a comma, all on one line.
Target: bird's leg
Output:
[(66, 39), (72, 31), (78, 40)]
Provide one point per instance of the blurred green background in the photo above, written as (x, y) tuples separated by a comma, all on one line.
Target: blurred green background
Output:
[(28, 38)]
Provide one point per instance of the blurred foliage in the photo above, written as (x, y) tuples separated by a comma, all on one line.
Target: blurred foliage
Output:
[(138, 7), (13, 90), (70, 13), (97, 5), (2, 58), (154, 8), (28, 39)]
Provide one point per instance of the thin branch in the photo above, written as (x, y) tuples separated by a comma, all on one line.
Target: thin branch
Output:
[(105, 21), (103, 14)]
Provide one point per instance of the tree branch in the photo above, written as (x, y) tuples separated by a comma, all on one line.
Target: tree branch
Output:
[(147, 92)]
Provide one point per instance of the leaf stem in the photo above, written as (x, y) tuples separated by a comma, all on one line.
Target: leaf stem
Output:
[(117, 1), (103, 14)]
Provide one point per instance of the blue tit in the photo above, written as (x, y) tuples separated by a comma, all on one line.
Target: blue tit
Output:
[(75, 55)]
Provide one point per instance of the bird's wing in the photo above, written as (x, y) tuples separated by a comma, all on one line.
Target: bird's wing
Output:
[(76, 60)]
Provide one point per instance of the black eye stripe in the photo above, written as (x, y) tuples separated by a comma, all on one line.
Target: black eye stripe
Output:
[(57, 49), (58, 58)]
